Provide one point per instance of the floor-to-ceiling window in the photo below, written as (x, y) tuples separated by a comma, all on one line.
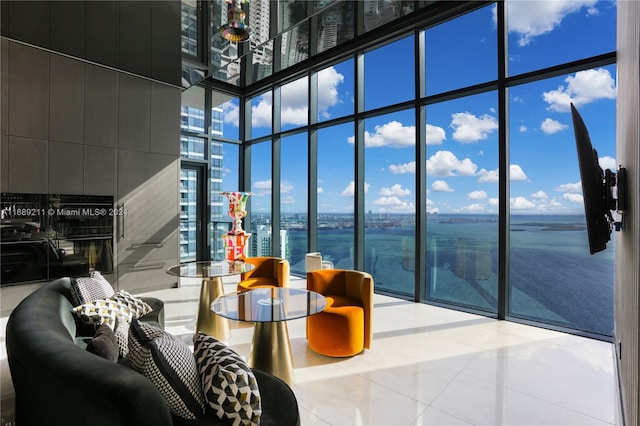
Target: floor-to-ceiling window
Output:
[(462, 206), (209, 153), (389, 187), (449, 139), (260, 201), (293, 200), (553, 278), (461, 142), (335, 195)]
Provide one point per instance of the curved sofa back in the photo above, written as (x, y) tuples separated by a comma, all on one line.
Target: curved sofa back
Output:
[(58, 382)]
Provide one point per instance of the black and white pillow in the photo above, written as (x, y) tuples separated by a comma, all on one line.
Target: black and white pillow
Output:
[(169, 364), (136, 305), (106, 311), (121, 333), (229, 386), (87, 289)]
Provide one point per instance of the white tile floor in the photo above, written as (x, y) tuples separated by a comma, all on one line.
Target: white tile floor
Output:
[(433, 366)]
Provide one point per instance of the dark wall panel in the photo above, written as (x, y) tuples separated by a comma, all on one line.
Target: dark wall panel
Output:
[(140, 37), (68, 27), (28, 92), (4, 18), (101, 35), (134, 113), (100, 106), (29, 22), (66, 99), (28, 165), (166, 52), (134, 52), (65, 168)]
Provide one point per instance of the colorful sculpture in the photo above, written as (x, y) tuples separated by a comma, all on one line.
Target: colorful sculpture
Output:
[(236, 239)]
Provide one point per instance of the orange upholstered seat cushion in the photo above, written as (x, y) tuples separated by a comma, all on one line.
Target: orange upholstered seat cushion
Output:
[(339, 329), (256, 282)]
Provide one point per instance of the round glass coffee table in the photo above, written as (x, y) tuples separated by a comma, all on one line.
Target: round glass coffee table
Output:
[(270, 309), (211, 273)]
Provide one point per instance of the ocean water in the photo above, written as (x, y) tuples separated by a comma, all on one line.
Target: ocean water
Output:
[(553, 278)]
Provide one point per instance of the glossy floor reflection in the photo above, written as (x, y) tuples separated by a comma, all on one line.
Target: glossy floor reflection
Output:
[(434, 366)]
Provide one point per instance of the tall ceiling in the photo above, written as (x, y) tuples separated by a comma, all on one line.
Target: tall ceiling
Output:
[(290, 35)]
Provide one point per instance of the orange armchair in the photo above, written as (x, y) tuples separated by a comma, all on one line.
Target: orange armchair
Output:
[(343, 328), (268, 272)]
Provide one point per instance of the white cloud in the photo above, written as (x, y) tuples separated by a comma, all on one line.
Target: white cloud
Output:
[(515, 174), (261, 112), (574, 188), (285, 187), (582, 88), (394, 204), (477, 195), (288, 200), (295, 102), (261, 188), (320, 190), (403, 168), (393, 134), (550, 126), (387, 201), (441, 186), (445, 163), (530, 19), (574, 198), (435, 135), (395, 191), (488, 176), (468, 128), (231, 113), (494, 202), (521, 203), (608, 163), (539, 195), (328, 81), (522, 129), (349, 191), (262, 184), (473, 208)]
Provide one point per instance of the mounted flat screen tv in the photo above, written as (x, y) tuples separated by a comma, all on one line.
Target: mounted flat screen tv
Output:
[(599, 190)]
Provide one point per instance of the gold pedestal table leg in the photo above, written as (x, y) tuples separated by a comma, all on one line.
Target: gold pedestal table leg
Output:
[(271, 350), (208, 322)]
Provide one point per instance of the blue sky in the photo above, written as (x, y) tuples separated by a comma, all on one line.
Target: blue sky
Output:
[(462, 135)]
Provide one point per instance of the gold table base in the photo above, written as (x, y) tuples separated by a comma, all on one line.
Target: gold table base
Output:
[(271, 350), (208, 322)]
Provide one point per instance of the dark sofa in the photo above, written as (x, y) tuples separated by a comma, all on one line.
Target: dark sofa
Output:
[(58, 382)]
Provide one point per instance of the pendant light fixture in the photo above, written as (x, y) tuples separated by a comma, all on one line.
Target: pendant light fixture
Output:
[(235, 29)]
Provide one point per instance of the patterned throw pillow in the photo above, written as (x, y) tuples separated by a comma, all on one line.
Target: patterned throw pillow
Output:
[(87, 289), (169, 364), (121, 332), (138, 306), (229, 385), (106, 311)]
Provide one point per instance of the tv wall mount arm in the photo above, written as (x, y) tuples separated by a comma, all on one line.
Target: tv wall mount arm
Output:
[(616, 195)]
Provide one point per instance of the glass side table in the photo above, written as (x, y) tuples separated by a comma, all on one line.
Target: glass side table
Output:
[(270, 309), (211, 273)]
